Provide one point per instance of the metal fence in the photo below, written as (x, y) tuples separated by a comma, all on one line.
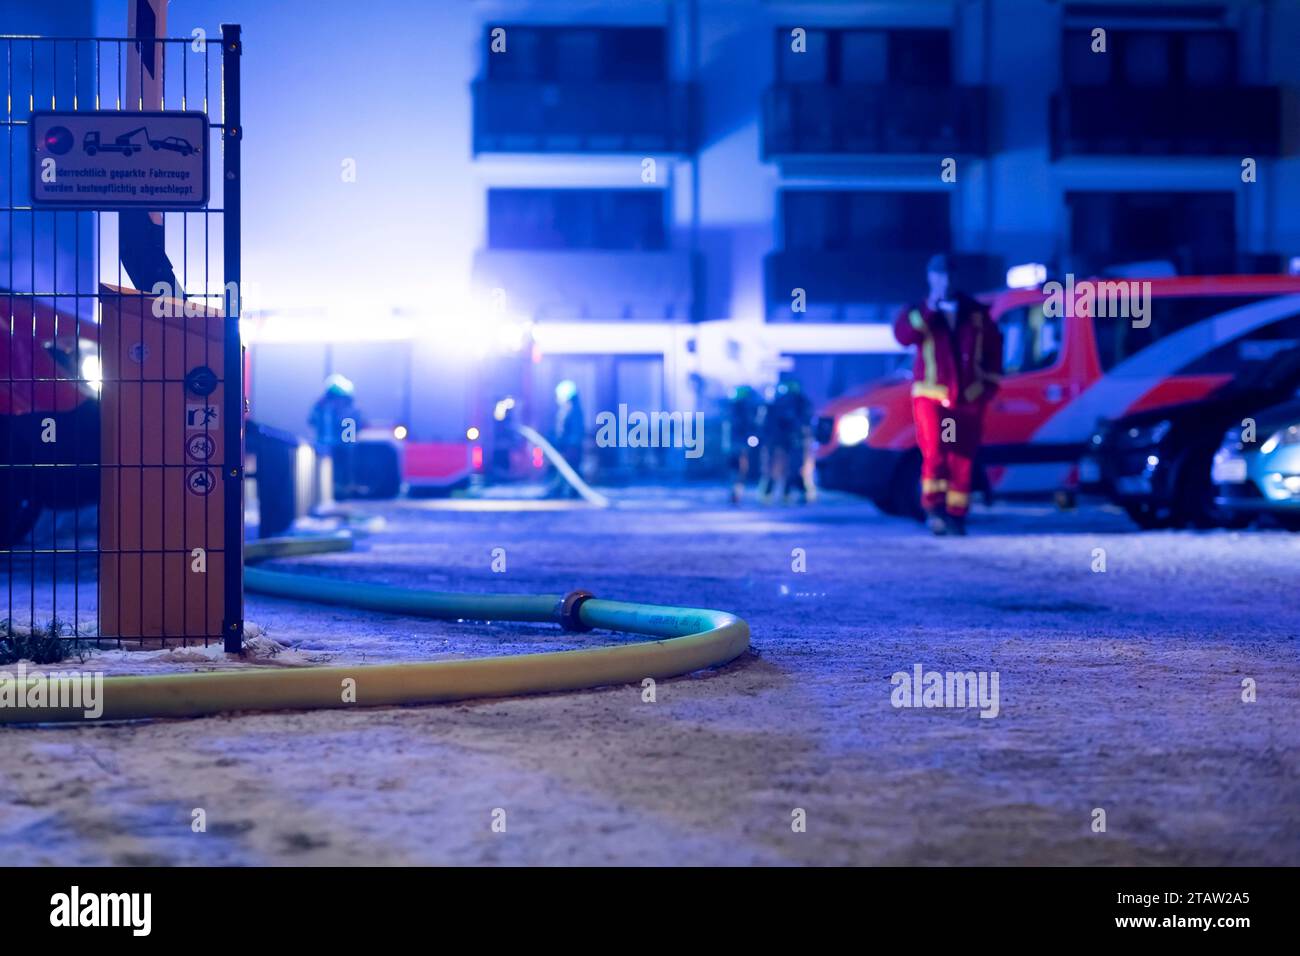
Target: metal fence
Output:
[(121, 506)]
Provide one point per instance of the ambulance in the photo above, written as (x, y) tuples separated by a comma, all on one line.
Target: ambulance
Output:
[(1069, 361)]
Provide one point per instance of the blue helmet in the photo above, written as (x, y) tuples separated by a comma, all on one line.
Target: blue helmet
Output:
[(339, 386), (566, 391)]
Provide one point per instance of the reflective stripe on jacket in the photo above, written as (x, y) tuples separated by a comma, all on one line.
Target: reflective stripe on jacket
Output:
[(954, 366)]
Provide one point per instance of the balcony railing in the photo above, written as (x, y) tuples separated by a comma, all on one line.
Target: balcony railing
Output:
[(862, 284), (589, 284), (517, 117), (1217, 121), (864, 120)]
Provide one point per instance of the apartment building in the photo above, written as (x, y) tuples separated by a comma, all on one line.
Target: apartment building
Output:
[(689, 195)]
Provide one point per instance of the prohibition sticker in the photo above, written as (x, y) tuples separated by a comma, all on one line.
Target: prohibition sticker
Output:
[(200, 481), (201, 446), (202, 416)]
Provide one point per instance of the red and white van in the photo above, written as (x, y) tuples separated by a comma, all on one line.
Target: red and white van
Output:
[(1063, 372)]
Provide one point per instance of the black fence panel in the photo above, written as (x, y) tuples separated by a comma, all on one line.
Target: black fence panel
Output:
[(121, 371)]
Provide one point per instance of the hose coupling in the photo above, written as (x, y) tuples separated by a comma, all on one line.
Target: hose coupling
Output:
[(567, 610)]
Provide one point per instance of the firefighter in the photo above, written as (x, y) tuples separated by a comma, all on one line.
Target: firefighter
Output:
[(504, 437), (787, 428), (957, 370), (335, 421), (743, 437), (570, 434)]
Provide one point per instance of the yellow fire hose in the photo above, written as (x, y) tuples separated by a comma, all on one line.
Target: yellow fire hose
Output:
[(686, 639)]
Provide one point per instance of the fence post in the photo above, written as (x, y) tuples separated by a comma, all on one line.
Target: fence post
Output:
[(232, 49)]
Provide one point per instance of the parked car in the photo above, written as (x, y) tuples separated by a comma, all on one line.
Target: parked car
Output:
[(49, 381), (1064, 373), (1262, 476), (1155, 464)]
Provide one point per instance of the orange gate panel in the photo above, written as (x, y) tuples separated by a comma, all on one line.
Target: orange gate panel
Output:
[(162, 511)]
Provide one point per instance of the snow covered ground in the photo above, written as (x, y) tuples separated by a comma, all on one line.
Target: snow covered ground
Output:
[(1119, 690)]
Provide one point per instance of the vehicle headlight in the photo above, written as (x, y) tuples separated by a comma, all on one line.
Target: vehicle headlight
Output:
[(1287, 436), (854, 427), (92, 371)]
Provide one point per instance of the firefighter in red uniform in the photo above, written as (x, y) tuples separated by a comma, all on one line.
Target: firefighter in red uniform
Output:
[(957, 370)]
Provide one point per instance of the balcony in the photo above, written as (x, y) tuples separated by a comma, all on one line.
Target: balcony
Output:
[(802, 120), (862, 284), (1133, 121), (512, 117), (588, 284)]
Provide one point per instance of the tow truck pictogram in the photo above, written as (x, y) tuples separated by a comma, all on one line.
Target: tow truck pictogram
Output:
[(93, 143), (126, 145)]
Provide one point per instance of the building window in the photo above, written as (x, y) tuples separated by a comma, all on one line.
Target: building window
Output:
[(840, 57), (576, 219), (827, 376), (832, 220), (1195, 231), (1151, 58), (578, 54)]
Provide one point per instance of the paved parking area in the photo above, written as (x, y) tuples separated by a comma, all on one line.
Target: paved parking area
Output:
[(1118, 690)]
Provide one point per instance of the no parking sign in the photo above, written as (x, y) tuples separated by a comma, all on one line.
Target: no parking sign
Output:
[(115, 159)]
